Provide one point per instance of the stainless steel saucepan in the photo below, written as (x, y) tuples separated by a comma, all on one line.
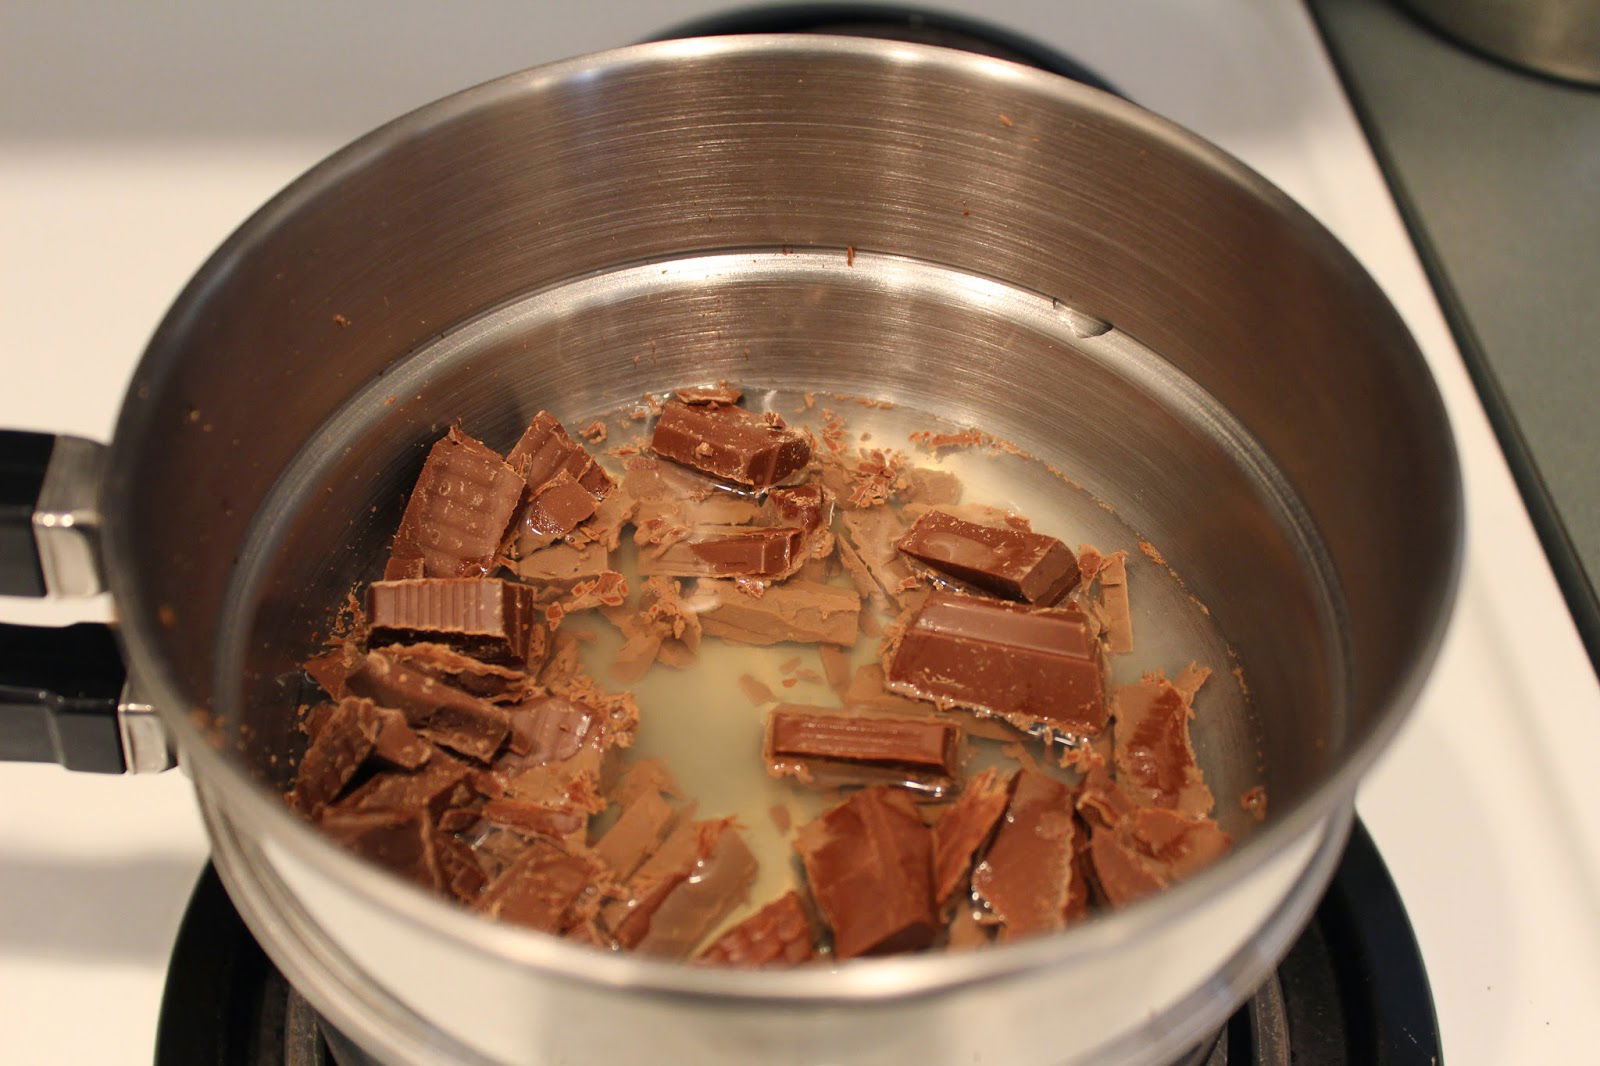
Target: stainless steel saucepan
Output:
[(957, 233)]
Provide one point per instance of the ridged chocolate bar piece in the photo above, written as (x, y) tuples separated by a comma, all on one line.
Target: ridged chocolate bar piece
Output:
[(831, 748), (869, 862), (458, 512), (1009, 563), (488, 619), (730, 443), (1031, 666)]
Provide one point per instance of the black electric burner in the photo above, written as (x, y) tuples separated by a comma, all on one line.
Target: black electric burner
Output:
[(1352, 990)]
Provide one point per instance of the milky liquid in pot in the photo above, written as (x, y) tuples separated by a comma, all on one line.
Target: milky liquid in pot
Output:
[(701, 722)]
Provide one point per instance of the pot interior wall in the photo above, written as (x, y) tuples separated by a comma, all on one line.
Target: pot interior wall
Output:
[(698, 147)]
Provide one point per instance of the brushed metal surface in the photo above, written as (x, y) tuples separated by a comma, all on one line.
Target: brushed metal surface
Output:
[(1556, 37), (1255, 405)]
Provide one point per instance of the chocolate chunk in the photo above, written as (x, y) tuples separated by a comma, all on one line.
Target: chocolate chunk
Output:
[(399, 840), (563, 564), (543, 888), (458, 512), (720, 880), (491, 620), (822, 748), (1027, 567), (779, 934), (1026, 876), (558, 507), (804, 611), (1182, 843), (1123, 874), (330, 669), (534, 818), (720, 393), (638, 830), (459, 871), (964, 828), (1154, 755), (442, 713), (729, 551), (1114, 603), (335, 754), (397, 743), (709, 852), (434, 787), (546, 449), (869, 863), (808, 507), (497, 684), (1031, 666), (550, 728), (730, 443)]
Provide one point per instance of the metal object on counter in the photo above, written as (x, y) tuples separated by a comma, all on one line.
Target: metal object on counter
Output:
[(1556, 37)]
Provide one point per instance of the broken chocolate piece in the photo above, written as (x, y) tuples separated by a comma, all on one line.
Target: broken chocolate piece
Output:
[(399, 840), (926, 485), (802, 611), (557, 508), (1123, 874), (1031, 666), (488, 619), (721, 878), (459, 871), (822, 748), (548, 729), (458, 512), (1154, 756), (1027, 567), (867, 549), (808, 507), (497, 684), (1114, 602), (433, 788), (964, 828), (684, 848), (869, 863), (564, 563), (779, 934), (535, 819), (442, 713), (1026, 876), (730, 443), (663, 628), (330, 668), (335, 754), (546, 450), (729, 551), (1181, 843), (637, 831), (397, 743), (542, 888)]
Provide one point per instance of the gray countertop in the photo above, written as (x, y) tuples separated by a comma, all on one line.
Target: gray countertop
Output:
[(1498, 172)]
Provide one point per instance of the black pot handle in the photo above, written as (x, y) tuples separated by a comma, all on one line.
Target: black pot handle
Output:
[(63, 691)]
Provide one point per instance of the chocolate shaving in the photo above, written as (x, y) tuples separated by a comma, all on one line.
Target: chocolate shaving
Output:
[(802, 611), (964, 828)]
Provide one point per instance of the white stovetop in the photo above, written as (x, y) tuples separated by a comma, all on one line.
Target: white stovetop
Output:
[(131, 143)]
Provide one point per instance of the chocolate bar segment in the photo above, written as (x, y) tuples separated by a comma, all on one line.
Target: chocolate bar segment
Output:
[(729, 551), (334, 755), (778, 934), (1026, 876), (720, 393), (558, 507), (458, 512), (869, 862), (541, 888), (730, 443), (491, 620), (400, 840), (1031, 666), (964, 828), (442, 713), (1005, 562), (1154, 755), (546, 449), (830, 748)]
